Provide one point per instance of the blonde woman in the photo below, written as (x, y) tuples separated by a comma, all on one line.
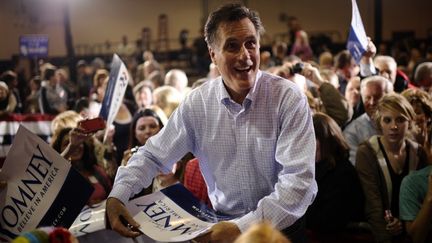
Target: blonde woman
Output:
[(167, 98), (383, 161)]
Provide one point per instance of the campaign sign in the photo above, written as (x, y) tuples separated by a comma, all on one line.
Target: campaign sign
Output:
[(42, 187), (173, 214), (33, 45), (91, 219), (357, 39), (115, 90)]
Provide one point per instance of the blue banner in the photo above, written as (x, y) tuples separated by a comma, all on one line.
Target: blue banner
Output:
[(357, 39), (115, 90), (33, 45)]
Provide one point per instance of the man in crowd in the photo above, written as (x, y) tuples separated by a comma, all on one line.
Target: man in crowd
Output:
[(252, 133), (423, 76), (372, 89)]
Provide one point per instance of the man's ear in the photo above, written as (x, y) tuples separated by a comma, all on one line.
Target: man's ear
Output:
[(212, 55)]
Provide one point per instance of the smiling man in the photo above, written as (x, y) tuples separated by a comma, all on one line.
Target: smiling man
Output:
[(252, 133)]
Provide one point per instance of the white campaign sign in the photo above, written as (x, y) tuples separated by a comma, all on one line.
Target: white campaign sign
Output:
[(38, 191), (91, 219), (172, 215)]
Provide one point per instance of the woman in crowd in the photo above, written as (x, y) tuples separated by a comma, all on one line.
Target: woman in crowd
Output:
[(100, 80), (81, 156), (8, 102), (10, 78), (422, 104), (301, 47), (339, 199), (32, 100), (145, 124), (143, 93), (102, 152), (383, 161)]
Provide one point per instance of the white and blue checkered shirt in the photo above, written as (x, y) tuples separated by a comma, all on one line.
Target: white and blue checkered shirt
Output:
[(258, 159)]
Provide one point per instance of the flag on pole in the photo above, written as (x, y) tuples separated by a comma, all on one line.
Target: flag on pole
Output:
[(114, 93), (357, 39)]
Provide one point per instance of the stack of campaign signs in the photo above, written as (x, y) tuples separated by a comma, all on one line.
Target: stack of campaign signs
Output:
[(172, 214)]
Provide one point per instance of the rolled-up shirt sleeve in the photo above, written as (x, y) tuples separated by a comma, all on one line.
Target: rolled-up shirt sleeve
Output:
[(158, 155)]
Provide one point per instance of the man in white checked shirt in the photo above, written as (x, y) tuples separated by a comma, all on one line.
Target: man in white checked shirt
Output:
[(252, 133)]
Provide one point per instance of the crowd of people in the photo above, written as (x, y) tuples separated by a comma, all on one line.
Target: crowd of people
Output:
[(347, 145)]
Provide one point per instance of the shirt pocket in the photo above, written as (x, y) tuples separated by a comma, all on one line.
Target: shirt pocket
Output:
[(264, 151)]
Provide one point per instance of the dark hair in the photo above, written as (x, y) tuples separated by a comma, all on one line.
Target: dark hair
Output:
[(229, 13), (141, 113), (37, 80), (333, 144), (81, 104), (343, 59), (88, 160), (49, 72), (8, 77)]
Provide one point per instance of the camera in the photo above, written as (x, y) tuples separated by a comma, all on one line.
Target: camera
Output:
[(297, 68)]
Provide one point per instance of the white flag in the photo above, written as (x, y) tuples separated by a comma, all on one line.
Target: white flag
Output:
[(357, 39)]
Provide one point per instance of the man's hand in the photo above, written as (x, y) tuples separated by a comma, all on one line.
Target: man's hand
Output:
[(312, 73), (120, 219), (370, 52), (78, 136), (222, 232), (394, 227), (370, 49)]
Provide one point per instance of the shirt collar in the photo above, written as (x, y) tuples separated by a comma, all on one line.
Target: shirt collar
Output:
[(225, 98)]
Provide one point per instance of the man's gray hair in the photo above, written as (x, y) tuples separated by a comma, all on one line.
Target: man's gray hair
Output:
[(386, 84), (423, 70)]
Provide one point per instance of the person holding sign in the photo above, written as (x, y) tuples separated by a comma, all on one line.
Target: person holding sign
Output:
[(252, 133)]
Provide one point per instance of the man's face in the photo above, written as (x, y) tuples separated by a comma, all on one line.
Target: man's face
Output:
[(352, 91), (351, 70), (426, 82), (372, 94), (387, 70), (236, 55)]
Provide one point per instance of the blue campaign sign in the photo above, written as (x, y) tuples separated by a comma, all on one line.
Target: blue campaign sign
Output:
[(33, 45), (357, 39)]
